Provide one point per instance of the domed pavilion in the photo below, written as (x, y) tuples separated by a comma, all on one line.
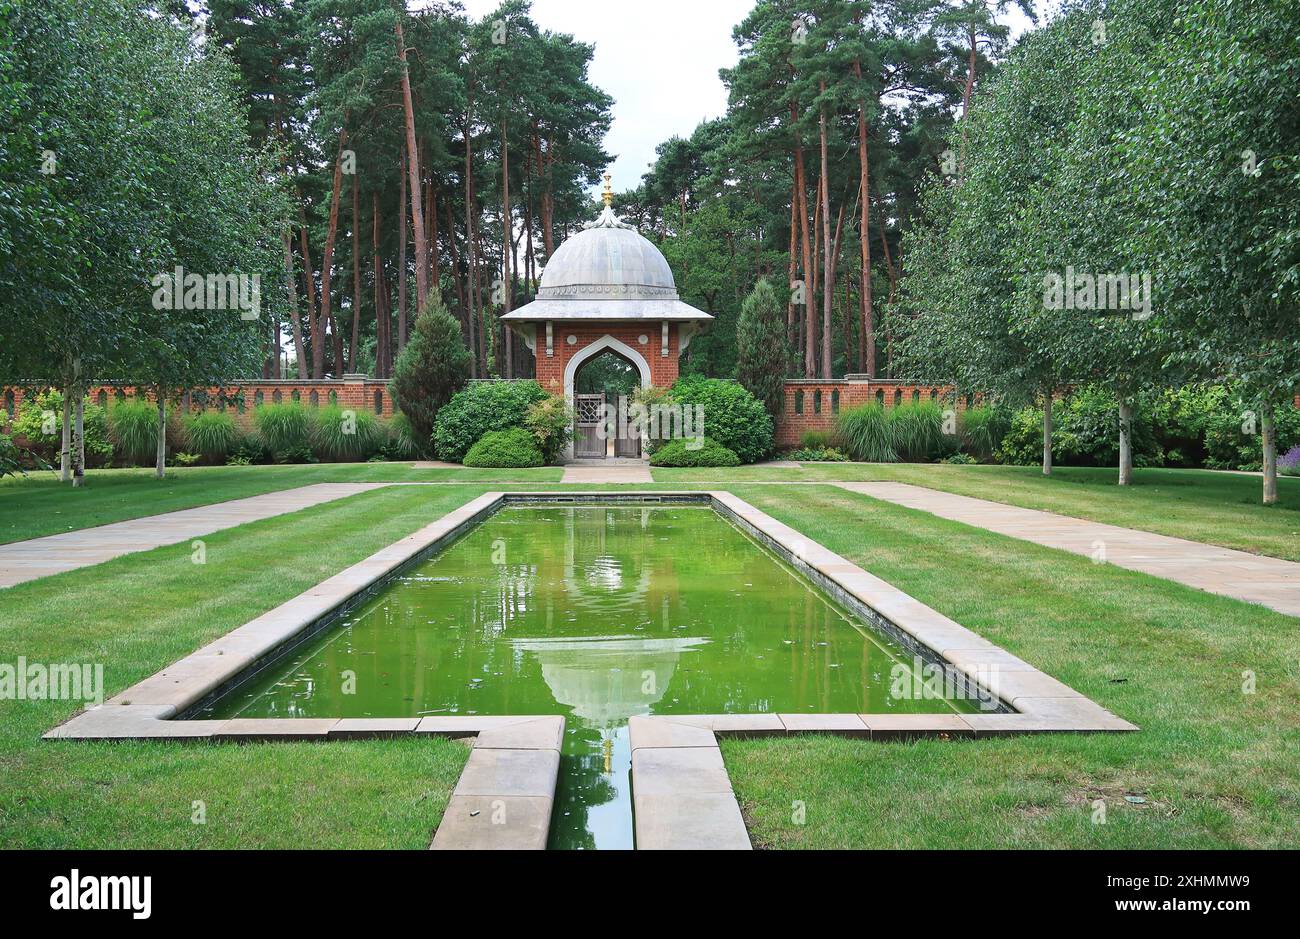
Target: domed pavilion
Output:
[(605, 291)]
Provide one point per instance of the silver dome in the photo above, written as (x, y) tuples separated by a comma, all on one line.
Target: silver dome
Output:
[(607, 272), (607, 260)]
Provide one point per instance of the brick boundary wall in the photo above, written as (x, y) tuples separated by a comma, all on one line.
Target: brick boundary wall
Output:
[(357, 392), (814, 403)]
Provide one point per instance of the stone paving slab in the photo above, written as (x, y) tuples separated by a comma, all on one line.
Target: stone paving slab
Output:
[(607, 474), (506, 792), (1270, 582), (671, 770), (690, 822), (22, 561), (681, 794), (494, 823), (665, 732)]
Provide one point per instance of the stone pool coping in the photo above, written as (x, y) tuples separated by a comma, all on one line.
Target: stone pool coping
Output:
[(678, 802)]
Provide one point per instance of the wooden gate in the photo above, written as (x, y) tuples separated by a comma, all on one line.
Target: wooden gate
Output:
[(588, 421)]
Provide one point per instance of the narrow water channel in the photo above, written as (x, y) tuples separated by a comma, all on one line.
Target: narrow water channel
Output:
[(598, 613)]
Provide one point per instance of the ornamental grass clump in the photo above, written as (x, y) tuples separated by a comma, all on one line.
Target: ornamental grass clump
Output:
[(342, 435), (283, 429), (866, 434), (212, 434)]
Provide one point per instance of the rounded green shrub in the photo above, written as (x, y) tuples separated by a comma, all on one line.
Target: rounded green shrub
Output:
[(480, 407), (212, 434), (512, 447), (733, 417), (708, 453), (343, 435)]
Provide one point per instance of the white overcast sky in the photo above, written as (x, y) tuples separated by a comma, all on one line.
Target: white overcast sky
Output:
[(659, 60)]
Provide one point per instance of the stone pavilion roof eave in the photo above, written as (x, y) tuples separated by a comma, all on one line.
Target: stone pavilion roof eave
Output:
[(605, 310)]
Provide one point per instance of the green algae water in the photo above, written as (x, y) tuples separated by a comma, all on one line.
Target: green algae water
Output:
[(598, 613)]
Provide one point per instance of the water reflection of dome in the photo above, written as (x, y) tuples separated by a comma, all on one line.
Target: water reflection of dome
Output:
[(601, 584), (608, 679)]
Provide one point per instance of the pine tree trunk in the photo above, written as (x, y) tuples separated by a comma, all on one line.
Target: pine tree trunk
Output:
[(828, 264), (1125, 442), (1268, 427), (507, 225), (356, 286), (866, 312), (315, 328), (401, 257), (413, 170), (792, 263), (326, 268), (810, 314), (1047, 434), (435, 271), (160, 455), (382, 365)]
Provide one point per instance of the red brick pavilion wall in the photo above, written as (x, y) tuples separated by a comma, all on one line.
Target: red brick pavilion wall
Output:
[(550, 369)]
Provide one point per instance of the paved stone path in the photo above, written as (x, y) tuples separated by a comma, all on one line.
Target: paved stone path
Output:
[(1270, 582), (612, 473), (40, 557)]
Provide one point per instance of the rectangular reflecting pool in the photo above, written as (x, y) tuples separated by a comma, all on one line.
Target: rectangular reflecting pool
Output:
[(598, 613)]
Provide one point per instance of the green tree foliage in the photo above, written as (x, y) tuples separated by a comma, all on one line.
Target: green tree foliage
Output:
[(763, 358), (433, 366)]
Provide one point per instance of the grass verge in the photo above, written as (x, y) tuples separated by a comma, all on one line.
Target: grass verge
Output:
[(141, 612), (1213, 766)]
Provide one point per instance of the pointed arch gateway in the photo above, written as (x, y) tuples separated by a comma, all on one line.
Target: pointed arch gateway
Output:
[(588, 413)]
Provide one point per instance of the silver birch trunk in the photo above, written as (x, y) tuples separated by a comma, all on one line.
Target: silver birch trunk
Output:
[(1047, 434), (1125, 443), (1268, 427)]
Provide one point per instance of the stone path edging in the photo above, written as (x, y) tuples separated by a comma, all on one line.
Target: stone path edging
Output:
[(1253, 578), (21, 561)]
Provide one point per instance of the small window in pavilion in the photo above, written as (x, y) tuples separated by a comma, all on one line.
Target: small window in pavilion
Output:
[(798, 402), (835, 401), (259, 398), (314, 398), (379, 402), (276, 397), (817, 401)]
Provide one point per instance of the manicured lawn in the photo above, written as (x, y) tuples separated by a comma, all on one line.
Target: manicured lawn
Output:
[(1215, 508), (41, 505), (137, 614), (1216, 767)]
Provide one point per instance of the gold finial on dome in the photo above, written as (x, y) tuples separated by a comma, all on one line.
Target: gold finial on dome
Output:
[(608, 194)]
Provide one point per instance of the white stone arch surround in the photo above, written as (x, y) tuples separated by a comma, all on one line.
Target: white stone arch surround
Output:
[(595, 349), (606, 342)]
